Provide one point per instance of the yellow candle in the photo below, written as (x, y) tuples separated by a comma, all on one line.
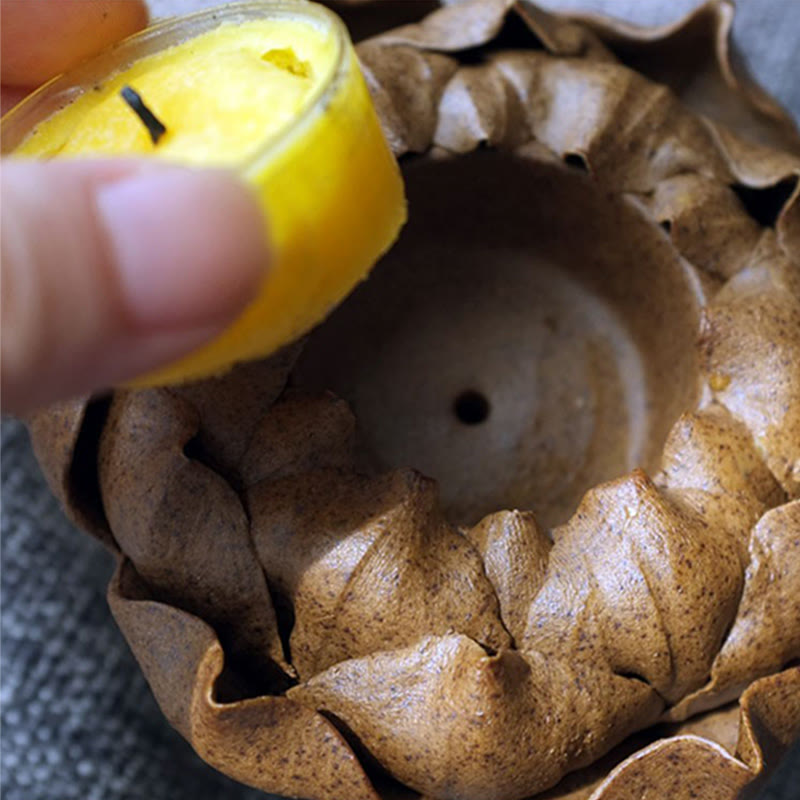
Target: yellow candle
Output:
[(273, 90)]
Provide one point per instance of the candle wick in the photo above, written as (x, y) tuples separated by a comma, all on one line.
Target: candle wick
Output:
[(154, 126)]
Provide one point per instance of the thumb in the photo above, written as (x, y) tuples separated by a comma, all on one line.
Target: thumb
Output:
[(110, 269)]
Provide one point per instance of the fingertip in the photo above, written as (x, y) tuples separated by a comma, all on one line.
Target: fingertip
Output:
[(189, 246), (41, 39), (144, 264)]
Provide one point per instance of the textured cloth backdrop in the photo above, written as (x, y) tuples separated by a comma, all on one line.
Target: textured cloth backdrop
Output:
[(78, 720)]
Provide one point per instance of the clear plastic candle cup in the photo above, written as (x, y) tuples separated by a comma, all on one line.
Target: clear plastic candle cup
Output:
[(272, 90)]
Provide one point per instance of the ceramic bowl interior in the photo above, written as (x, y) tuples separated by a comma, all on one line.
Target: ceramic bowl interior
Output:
[(528, 337)]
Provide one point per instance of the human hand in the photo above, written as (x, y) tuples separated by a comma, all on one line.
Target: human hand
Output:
[(109, 268)]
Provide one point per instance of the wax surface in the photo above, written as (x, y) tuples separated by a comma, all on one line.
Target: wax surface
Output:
[(222, 96)]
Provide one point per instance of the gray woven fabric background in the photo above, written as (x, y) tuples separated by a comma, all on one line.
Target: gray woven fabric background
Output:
[(78, 720)]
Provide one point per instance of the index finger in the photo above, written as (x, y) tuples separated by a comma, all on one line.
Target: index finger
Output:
[(44, 38)]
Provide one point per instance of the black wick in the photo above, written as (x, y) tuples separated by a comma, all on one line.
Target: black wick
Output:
[(154, 126)]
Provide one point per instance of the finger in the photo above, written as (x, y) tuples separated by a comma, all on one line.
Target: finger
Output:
[(10, 96), (42, 38), (112, 269)]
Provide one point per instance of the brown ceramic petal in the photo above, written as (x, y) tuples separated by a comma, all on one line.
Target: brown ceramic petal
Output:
[(630, 132), (349, 553), (301, 433), (770, 719), (772, 728), (693, 57), (788, 226), (460, 25), (755, 165), (449, 719), (271, 743), (480, 106), (515, 553), (561, 36), (678, 767), (765, 635), (229, 407), (64, 439), (184, 528), (406, 85), (707, 223), (759, 140), (640, 582), (689, 766), (718, 728), (751, 353), (710, 463)]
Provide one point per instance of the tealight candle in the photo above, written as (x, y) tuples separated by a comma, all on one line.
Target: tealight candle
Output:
[(272, 90)]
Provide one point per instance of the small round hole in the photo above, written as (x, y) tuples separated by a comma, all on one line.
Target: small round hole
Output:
[(576, 161), (471, 408)]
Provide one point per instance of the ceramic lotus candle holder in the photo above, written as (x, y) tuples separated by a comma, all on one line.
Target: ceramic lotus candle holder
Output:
[(594, 316)]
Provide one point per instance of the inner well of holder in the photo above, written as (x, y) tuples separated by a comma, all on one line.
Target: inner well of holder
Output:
[(528, 337)]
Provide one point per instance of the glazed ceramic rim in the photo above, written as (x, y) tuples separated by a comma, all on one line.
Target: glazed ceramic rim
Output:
[(66, 88)]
